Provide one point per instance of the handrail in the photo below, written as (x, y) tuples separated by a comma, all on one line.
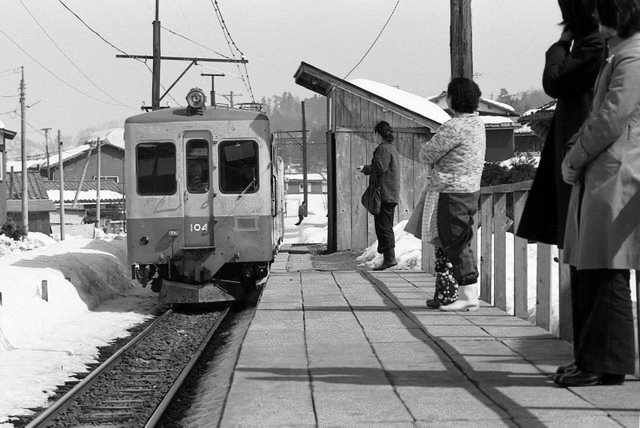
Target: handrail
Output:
[(496, 203)]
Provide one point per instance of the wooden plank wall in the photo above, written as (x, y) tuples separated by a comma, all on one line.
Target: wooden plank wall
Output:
[(355, 119)]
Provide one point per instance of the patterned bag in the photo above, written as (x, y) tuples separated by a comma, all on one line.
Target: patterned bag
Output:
[(430, 217), (371, 197)]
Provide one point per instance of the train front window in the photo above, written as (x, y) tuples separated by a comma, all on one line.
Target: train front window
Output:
[(198, 166), (238, 164), (156, 168)]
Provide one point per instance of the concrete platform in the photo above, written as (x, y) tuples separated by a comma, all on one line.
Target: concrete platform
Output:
[(361, 349)]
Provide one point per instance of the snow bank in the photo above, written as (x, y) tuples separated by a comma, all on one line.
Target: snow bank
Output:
[(90, 302)]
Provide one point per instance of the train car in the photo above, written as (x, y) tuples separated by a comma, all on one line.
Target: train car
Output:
[(205, 201)]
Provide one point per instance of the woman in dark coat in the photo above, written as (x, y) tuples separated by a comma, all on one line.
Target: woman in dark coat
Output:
[(572, 64), (571, 67), (384, 166)]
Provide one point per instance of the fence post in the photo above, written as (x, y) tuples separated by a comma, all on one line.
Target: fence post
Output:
[(486, 259), (500, 251), (520, 261), (44, 290), (565, 310), (543, 287)]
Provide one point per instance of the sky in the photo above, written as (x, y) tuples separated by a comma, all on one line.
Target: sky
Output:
[(74, 80)]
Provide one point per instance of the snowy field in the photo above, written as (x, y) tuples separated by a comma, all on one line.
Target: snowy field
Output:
[(92, 301)]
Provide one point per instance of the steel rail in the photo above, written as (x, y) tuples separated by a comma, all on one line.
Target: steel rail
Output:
[(67, 399), (159, 411)]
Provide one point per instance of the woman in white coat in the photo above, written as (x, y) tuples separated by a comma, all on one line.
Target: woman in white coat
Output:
[(602, 237)]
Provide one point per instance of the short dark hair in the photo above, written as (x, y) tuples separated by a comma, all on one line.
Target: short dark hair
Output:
[(577, 16), (622, 15), (384, 130), (464, 94)]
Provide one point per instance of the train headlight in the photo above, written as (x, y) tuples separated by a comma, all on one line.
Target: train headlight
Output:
[(144, 240), (174, 233), (196, 99)]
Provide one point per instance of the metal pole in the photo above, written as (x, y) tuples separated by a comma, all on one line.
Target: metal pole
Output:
[(61, 168), (213, 90), (99, 143), (23, 150), (304, 160), (155, 86)]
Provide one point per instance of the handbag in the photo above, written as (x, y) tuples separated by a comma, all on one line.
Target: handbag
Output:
[(371, 197), (414, 224)]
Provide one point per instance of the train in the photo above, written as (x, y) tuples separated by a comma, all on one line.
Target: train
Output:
[(205, 200)]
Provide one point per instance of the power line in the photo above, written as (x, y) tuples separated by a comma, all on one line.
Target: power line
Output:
[(51, 72), (374, 42), (67, 57), (111, 44), (232, 44), (193, 41)]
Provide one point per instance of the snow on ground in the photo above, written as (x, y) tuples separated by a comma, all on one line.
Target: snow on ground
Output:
[(91, 301)]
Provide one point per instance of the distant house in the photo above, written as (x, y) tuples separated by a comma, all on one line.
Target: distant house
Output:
[(499, 121), (5, 134), (526, 140), (316, 184), (39, 204)]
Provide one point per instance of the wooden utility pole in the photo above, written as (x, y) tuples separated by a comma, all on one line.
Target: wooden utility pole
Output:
[(23, 150), (98, 201), (61, 168), (304, 160), (155, 79), (460, 39), (157, 57)]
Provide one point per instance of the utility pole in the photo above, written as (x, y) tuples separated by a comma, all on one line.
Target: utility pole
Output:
[(60, 166), (157, 57), (230, 96), (46, 149), (213, 90), (461, 39), (23, 152), (304, 160), (155, 79), (98, 143)]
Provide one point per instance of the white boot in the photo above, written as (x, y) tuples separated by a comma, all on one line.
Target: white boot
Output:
[(467, 299)]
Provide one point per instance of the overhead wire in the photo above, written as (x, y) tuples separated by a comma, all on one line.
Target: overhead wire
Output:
[(375, 41), (231, 43), (68, 58), (52, 73), (111, 44)]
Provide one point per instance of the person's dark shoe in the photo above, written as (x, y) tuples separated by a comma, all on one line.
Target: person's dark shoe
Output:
[(567, 368), (584, 378)]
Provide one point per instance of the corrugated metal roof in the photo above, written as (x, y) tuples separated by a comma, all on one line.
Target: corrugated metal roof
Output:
[(36, 185)]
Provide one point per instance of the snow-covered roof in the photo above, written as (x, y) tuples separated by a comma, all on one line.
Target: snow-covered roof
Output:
[(84, 195), (114, 136), (410, 101), (310, 177)]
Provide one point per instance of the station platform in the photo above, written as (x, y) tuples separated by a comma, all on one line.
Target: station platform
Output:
[(351, 348)]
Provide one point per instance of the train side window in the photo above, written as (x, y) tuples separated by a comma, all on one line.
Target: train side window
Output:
[(197, 166), (156, 168), (238, 162)]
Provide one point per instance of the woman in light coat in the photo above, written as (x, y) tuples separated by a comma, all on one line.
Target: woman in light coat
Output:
[(602, 238)]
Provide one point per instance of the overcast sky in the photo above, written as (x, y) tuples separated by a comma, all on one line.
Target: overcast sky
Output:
[(74, 80)]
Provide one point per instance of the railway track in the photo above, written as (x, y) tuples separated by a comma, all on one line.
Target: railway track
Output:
[(136, 384)]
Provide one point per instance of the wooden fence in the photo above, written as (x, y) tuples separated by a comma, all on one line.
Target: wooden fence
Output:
[(500, 210)]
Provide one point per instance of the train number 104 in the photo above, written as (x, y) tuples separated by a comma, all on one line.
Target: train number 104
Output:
[(198, 227)]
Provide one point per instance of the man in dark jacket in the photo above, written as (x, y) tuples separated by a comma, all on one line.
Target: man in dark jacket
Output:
[(384, 166)]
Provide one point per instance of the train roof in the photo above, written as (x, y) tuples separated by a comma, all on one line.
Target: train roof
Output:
[(181, 114)]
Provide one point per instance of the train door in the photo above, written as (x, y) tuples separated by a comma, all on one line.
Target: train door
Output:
[(197, 196)]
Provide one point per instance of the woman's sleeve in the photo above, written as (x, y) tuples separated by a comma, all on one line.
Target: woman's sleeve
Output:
[(606, 124), (570, 72), (381, 160), (439, 145)]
